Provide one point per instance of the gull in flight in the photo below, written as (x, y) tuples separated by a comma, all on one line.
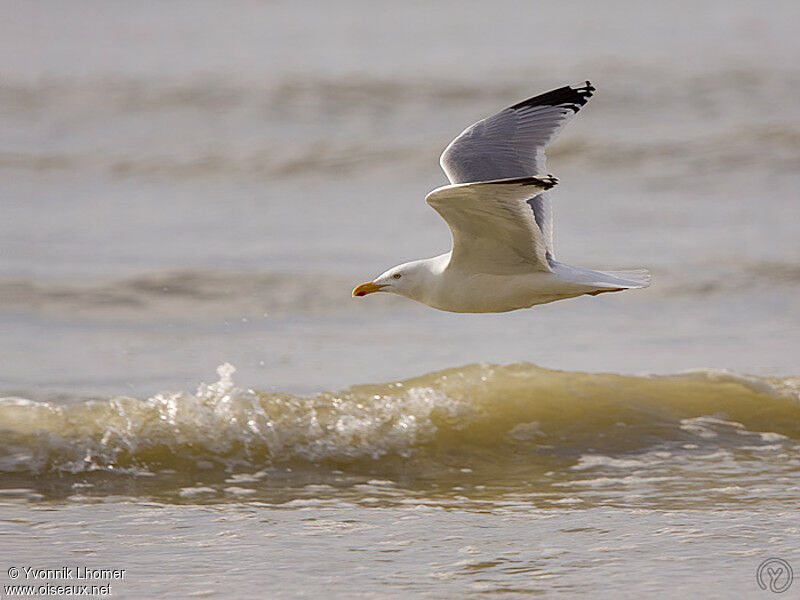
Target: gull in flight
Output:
[(501, 220)]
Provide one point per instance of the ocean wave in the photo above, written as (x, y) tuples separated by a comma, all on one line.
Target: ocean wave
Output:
[(771, 147), (363, 95), (738, 276), (211, 293), (188, 294), (291, 159), (469, 417), (195, 128), (308, 94)]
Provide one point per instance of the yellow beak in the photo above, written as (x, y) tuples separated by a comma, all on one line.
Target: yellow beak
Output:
[(367, 288)]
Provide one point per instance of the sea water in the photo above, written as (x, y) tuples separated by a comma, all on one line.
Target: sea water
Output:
[(190, 192)]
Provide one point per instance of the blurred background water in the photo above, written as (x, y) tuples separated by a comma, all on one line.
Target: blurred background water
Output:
[(186, 184)]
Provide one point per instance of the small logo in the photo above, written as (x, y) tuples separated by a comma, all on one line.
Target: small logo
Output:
[(775, 575)]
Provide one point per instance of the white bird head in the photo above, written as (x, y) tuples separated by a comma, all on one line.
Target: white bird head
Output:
[(403, 280)]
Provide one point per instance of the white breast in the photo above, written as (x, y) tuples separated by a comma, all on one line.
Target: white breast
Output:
[(481, 292)]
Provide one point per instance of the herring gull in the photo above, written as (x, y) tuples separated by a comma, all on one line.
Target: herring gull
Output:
[(500, 216)]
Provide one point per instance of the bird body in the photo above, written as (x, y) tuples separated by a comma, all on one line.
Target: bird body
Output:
[(500, 217), (444, 285)]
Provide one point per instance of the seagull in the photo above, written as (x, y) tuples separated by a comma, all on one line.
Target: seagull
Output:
[(500, 216)]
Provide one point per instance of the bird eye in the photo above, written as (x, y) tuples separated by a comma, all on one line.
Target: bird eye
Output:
[(396, 276)]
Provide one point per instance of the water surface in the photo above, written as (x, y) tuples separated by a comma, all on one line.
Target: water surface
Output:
[(191, 186)]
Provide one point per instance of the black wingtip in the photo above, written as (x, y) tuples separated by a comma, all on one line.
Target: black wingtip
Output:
[(571, 98), (544, 182)]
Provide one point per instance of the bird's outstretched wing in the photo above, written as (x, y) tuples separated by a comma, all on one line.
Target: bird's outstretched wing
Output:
[(493, 227), (511, 144)]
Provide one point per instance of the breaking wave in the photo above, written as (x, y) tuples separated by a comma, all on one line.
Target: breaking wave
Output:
[(478, 414)]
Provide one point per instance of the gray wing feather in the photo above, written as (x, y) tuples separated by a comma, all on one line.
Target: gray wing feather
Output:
[(511, 144), (493, 229), (543, 213)]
